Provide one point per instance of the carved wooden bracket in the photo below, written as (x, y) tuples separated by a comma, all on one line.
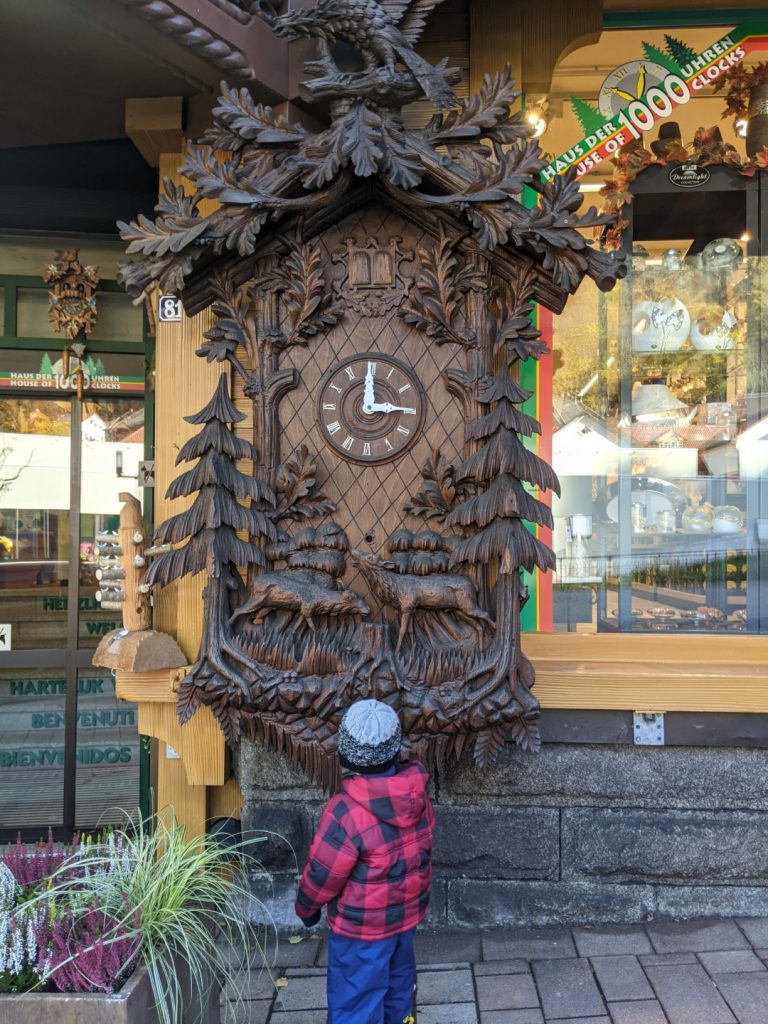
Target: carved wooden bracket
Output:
[(154, 126), (199, 743)]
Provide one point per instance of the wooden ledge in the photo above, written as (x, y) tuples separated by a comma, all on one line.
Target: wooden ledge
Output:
[(610, 672), (646, 672)]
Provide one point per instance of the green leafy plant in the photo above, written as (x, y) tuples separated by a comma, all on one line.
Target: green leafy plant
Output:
[(185, 902)]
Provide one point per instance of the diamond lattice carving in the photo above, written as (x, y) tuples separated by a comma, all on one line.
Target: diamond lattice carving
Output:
[(369, 499)]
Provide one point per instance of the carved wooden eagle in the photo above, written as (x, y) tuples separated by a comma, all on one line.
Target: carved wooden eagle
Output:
[(383, 31)]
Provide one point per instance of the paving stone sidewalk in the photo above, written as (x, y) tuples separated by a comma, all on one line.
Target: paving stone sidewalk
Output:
[(665, 972)]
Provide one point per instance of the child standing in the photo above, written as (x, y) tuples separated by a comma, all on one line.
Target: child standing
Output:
[(370, 861)]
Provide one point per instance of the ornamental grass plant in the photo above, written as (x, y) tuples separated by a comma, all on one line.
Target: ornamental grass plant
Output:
[(141, 896)]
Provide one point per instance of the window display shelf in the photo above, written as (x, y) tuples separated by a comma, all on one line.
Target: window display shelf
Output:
[(694, 672), (661, 431)]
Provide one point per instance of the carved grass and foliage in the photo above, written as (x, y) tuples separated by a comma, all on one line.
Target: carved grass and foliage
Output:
[(288, 644)]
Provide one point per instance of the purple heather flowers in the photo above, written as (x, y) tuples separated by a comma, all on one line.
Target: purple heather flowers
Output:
[(45, 944)]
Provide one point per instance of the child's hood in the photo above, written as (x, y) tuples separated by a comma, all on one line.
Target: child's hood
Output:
[(398, 799)]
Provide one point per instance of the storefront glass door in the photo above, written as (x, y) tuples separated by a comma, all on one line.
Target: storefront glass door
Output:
[(69, 752)]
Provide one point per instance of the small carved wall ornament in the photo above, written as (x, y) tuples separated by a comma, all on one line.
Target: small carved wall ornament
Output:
[(71, 299), (72, 308), (372, 289)]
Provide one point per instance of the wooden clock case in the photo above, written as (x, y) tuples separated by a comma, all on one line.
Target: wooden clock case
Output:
[(328, 578)]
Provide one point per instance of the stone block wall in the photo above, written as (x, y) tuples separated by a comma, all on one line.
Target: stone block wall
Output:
[(576, 834)]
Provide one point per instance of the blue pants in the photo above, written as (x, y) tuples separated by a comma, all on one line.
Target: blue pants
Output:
[(370, 982)]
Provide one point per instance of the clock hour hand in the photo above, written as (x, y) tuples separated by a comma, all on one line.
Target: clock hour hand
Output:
[(388, 407), (368, 395)]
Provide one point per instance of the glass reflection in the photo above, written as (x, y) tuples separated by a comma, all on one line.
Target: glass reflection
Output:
[(112, 447), (108, 753), (34, 520), (32, 747), (661, 440)]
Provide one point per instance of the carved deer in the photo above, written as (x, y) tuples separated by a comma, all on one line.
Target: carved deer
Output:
[(408, 593), (289, 591)]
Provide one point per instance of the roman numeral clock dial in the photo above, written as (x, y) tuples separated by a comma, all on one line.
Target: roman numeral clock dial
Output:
[(370, 408)]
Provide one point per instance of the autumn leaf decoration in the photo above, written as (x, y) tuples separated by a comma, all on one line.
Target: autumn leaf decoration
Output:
[(740, 82)]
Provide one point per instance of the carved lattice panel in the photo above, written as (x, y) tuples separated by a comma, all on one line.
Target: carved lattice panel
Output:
[(369, 499)]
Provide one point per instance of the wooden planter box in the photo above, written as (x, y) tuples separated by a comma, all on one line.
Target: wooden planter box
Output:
[(133, 1004)]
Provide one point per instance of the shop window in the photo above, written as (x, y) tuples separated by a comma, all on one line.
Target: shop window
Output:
[(109, 757), (32, 747), (70, 445), (34, 521), (660, 415), (108, 753), (659, 454), (660, 423), (112, 446)]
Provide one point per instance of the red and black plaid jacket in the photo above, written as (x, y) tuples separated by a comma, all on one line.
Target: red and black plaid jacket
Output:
[(371, 858)]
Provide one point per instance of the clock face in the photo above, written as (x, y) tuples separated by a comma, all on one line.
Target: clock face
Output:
[(628, 82), (370, 408)]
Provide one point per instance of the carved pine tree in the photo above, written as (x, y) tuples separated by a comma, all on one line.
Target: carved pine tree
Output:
[(210, 528), (495, 517)]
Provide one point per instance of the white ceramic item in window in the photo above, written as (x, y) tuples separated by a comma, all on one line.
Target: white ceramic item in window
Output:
[(721, 339), (659, 326), (726, 519)]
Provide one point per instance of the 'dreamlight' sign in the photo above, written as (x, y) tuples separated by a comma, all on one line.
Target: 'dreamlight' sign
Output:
[(683, 81)]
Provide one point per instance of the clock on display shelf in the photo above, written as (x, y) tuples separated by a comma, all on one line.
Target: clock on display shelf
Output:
[(370, 408)]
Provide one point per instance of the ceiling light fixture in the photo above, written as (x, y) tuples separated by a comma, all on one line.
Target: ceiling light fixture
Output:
[(537, 122)]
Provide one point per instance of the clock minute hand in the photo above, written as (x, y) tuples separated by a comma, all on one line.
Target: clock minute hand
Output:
[(388, 407), (368, 395)]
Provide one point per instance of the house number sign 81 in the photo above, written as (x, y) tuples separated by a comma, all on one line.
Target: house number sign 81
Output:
[(168, 309)]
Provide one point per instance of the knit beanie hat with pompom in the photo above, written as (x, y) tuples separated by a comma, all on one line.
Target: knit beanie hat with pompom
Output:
[(369, 737)]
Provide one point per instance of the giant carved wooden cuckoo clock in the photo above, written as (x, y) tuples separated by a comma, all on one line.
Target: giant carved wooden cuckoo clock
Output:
[(372, 288)]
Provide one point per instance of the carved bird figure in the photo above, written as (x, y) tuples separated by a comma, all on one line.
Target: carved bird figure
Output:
[(382, 31)]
